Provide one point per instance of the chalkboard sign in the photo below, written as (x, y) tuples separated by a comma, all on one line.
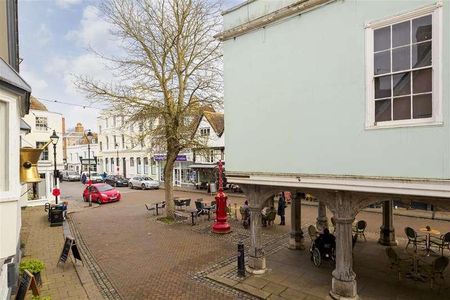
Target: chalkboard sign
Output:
[(26, 282), (75, 251), (65, 251)]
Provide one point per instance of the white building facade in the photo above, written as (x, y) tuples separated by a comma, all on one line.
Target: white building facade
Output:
[(14, 104), (77, 157), (121, 151), (210, 131), (42, 123)]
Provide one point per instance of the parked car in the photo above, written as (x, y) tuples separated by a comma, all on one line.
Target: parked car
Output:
[(143, 182), (95, 177), (116, 180), (101, 193), (70, 176), (235, 188)]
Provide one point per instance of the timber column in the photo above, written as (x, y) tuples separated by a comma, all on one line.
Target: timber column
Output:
[(296, 238), (256, 259), (387, 232), (322, 220)]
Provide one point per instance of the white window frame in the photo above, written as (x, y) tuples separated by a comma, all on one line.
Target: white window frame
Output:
[(41, 126), (436, 44)]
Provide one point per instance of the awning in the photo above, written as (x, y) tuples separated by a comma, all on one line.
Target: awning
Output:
[(200, 166)]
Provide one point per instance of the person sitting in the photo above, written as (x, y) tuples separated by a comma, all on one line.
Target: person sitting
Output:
[(325, 240), (268, 215)]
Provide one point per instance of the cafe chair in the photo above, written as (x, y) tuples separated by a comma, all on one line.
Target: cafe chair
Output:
[(313, 233), (360, 228), (398, 264), (414, 238), (442, 242), (436, 269)]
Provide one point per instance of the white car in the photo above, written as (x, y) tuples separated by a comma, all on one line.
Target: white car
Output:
[(70, 176), (143, 182), (95, 177)]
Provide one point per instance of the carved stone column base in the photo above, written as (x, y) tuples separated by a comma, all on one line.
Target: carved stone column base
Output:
[(296, 242), (256, 265), (343, 290), (387, 237)]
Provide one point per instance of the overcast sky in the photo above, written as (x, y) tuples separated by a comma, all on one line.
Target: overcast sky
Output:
[(54, 39)]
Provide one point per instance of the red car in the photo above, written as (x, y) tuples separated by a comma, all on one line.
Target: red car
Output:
[(101, 193)]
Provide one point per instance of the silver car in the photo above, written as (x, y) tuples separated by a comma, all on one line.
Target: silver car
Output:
[(143, 182), (70, 176)]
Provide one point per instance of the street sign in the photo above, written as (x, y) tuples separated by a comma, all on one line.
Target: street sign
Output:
[(56, 192), (26, 282)]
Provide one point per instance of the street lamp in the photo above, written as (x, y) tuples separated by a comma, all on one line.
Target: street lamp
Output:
[(54, 138), (117, 160), (89, 137)]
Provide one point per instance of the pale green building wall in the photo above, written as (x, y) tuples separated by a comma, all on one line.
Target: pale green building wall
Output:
[(295, 99)]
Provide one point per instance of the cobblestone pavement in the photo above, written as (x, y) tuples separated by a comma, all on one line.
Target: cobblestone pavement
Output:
[(45, 243)]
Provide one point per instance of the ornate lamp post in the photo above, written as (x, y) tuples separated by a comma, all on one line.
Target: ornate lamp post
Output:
[(221, 225), (89, 137), (54, 138)]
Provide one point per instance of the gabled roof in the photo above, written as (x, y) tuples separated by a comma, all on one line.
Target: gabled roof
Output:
[(216, 119)]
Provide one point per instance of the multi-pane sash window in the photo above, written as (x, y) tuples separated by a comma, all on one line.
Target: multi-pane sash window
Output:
[(41, 123), (4, 145), (404, 77), (403, 70)]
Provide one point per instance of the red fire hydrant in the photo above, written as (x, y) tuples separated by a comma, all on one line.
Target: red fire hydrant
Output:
[(221, 225)]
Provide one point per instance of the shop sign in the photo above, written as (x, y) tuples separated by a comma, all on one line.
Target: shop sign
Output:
[(162, 157)]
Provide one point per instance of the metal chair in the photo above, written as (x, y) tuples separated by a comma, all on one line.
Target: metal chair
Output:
[(436, 269), (442, 242), (396, 262), (414, 238), (360, 229)]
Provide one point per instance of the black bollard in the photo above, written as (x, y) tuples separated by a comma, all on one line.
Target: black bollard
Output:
[(241, 260)]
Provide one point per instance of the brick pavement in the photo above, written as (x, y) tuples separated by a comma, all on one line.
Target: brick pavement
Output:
[(45, 243), (130, 246)]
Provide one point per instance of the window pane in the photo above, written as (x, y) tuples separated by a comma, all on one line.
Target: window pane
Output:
[(402, 108), (382, 87), (422, 106), (402, 84), (383, 110), (421, 55), (382, 39), (382, 62), (401, 34), (422, 81), (400, 59), (421, 29)]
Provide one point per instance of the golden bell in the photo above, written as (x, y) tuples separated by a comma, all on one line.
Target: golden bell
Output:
[(28, 164)]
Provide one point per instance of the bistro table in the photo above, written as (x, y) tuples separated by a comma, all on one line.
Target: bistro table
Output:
[(414, 274), (428, 231)]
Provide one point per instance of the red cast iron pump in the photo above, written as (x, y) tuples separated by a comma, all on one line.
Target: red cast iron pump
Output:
[(221, 225)]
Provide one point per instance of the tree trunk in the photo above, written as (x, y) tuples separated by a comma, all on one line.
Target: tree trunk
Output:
[(168, 185)]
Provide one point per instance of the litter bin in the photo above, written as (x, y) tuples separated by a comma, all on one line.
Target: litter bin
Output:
[(56, 217)]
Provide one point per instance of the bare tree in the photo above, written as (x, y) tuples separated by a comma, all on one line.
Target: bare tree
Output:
[(169, 74)]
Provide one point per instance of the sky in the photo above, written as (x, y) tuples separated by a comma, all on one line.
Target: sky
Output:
[(55, 38)]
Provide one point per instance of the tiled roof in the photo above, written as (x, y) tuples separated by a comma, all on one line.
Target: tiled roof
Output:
[(37, 105), (216, 119)]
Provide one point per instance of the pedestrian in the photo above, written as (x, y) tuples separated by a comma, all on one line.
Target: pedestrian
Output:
[(83, 178), (281, 208)]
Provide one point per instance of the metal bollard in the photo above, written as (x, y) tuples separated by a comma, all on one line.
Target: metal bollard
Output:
[(241, 260)]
